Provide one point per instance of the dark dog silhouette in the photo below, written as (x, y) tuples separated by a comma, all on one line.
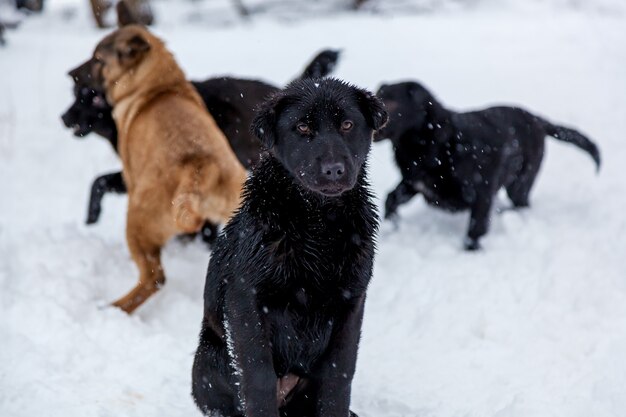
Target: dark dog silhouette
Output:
[(459, 161), (285, 289)]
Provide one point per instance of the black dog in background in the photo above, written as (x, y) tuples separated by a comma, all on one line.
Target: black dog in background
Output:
[(231, 102), (285, 289), (459, 161)]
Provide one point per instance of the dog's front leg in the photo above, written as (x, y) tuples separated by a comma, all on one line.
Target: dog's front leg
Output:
[(336, 370), (400, 195), (479, 220), (250, 353), (101, 185)]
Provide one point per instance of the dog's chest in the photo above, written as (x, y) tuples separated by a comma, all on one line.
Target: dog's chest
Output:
[(320, 250), (317, 268), (300, 331)]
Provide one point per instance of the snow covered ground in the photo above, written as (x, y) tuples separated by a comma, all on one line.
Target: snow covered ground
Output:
[(534, 325)]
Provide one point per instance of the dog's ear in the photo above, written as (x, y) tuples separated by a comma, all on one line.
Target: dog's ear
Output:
[(373, 109), (264, 124), (124, 15), (82, 73), (132, 50)]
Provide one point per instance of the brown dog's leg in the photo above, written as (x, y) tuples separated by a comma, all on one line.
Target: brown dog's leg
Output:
[(145, 248)]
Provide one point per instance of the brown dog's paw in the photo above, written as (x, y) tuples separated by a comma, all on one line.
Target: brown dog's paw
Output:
[(124, 305)]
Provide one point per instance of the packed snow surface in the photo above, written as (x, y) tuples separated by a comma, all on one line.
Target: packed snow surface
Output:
[(533, 325)]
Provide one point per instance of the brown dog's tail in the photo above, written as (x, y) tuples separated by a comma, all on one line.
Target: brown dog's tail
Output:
[(186, 209), (204, 195), (574, 137)]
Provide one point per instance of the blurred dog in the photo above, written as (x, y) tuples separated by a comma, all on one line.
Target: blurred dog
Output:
[(459, 161), (178, 167), (285, 289), (134, 12), (231, 101)]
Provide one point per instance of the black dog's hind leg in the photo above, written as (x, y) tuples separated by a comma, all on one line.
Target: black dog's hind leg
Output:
[(519, 190), (402, 194), (479, 220), (108, 183)]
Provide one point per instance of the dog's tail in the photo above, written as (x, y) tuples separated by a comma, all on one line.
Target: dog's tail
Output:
[(186, 210), (322, 65), (187, 200), (574, 137), (204, 193)]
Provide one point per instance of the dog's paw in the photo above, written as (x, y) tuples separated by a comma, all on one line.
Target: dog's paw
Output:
[(471, 244)]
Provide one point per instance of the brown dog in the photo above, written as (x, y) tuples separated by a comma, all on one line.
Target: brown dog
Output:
[(177, 165)]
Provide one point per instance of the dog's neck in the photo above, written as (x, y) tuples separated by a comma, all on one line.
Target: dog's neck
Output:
[(157, 70), (137, 88), (311, 229)]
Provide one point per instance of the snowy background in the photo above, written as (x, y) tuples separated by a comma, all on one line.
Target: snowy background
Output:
[(533, 325)]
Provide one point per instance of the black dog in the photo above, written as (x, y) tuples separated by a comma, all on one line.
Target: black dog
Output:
[(230, 101), (460, 160), (285, 289)]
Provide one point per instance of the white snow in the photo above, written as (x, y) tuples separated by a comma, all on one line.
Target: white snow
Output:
[(534, 325)]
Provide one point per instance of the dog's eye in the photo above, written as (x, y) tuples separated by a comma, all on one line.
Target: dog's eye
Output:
[(303, 128), (346, 125)]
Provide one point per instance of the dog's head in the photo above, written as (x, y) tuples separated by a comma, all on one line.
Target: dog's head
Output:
[(410, 106), (321, 131), (90, 111), (121, 61)]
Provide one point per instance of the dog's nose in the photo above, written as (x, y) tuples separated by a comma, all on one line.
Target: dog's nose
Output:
[(333, 170)]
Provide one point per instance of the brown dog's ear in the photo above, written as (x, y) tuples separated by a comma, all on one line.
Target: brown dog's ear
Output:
[(132, 50), (373, 109)]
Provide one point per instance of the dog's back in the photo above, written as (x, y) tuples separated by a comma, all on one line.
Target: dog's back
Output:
[(178, 136), (232, 104)]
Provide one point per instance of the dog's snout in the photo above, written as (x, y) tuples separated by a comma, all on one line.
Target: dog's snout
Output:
[(68, 118), (333, 170)]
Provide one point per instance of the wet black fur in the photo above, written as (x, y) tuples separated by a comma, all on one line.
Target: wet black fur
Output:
[(459, 161), (231, 101), (286, 283)]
